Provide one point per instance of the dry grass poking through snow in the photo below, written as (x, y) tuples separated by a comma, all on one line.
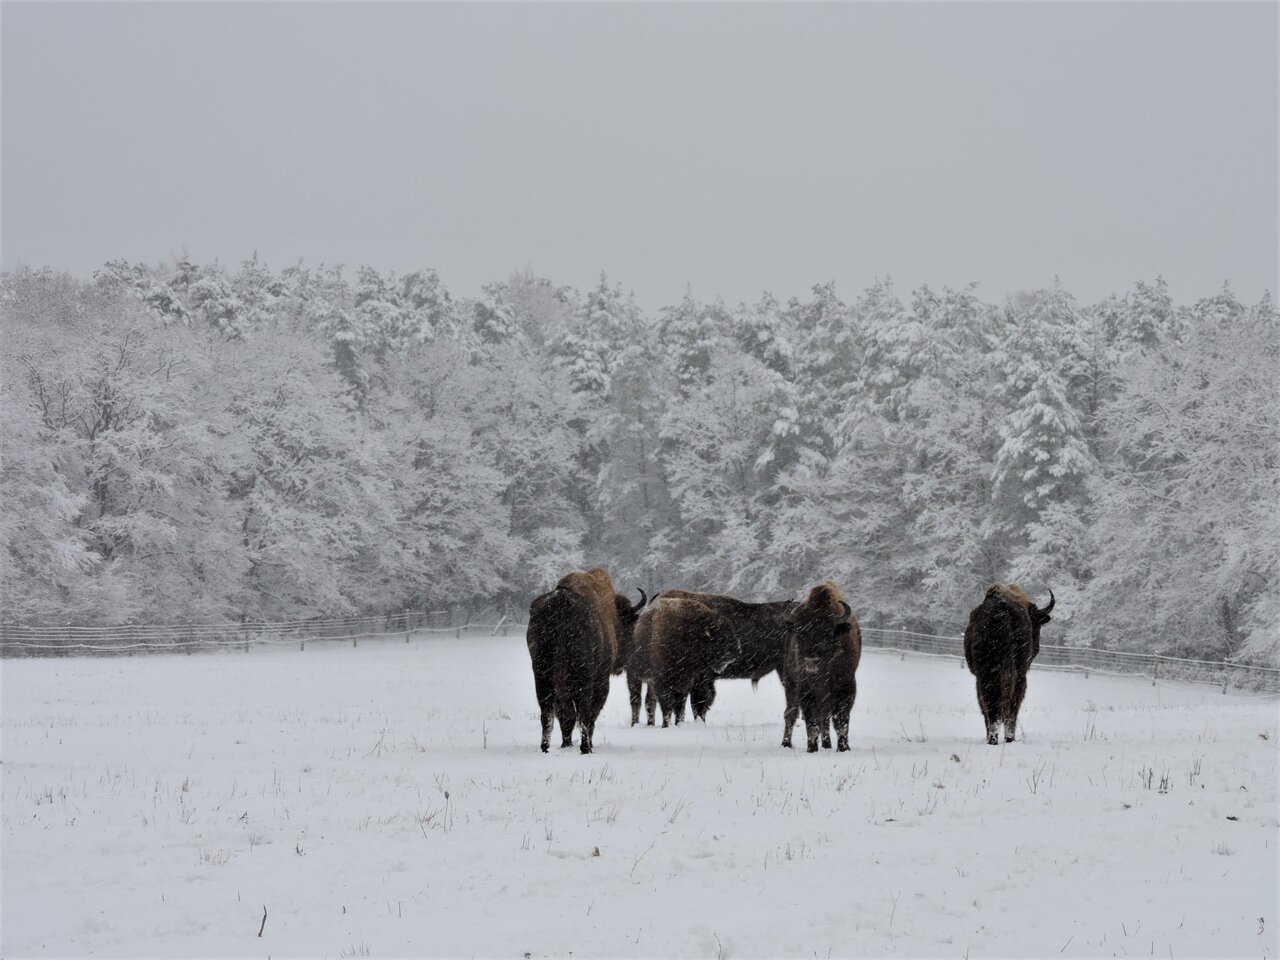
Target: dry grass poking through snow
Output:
[(391, 801)]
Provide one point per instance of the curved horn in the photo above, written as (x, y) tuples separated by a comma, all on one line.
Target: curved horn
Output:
[(1052, 601), (848, 610), (643, 600)]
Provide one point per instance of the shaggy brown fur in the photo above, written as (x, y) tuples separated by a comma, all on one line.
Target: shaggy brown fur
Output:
[(687, 647), (824, 647), (640, 672), (579, 633), (1000, 641), (1012, 591)]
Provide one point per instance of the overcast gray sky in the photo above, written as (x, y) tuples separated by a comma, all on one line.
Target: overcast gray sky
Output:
[(732, 148)]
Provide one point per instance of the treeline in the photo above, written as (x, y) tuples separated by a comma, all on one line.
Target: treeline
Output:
[(193, 443)]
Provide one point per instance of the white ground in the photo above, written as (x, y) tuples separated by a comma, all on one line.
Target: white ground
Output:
[(391, 801)]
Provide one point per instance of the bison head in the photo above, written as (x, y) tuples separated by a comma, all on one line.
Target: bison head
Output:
[(1039, 617), (628, 614), (820, 632)]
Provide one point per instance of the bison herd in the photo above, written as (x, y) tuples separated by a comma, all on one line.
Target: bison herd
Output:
[(679, 644)]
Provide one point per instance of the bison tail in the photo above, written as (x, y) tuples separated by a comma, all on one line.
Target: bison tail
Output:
[(755, 683)]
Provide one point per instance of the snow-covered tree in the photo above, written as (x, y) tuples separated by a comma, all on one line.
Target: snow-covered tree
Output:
[(451, 541), (307, 488), (1187, 560), (1044, 465)]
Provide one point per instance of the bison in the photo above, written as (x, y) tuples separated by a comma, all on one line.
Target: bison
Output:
[(640, 671), (683, 645), (1000, 641), (824, 645), (579, 634), (750, 635)]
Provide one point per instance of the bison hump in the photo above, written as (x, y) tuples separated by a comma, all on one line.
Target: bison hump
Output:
[(825, 598), (1009, 591)]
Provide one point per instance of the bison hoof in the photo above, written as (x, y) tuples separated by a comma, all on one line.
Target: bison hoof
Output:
[(993, 740), (545, 746), (842, 748), (1009, 739), (652, 723), (787, 743), (585, 748), (813, 748), (566, 744), (826, 743)]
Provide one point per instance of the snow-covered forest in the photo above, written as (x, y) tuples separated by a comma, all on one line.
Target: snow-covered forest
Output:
[(201, 443)]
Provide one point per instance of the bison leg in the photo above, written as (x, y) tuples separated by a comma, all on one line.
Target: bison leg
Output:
[(547, 704), (591, 710), (843, 708), (568, 717), (548, 721), (1014, 705), (650, 703), (701, 698), (989, 698), (667, 700), (825, 724), (842, 732), (813, 731), (681, 701), (634, 684), (815, 719), (789, 714)]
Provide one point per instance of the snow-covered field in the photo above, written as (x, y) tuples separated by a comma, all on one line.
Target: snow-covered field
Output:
[(391, 801)]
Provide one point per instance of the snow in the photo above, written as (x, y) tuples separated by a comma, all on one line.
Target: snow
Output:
[(390, 800)]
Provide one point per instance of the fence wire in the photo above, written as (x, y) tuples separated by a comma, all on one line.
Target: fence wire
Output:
[(18, 640), (1086, 660)]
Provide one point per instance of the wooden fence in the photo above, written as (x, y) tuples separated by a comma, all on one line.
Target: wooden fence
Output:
[(17, 640), (1086, 660)]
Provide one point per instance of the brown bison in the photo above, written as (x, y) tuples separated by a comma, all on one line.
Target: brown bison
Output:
[(824, 645), (743, 641), (1001, 640), (579, 634), (640, 672), (685, 646)]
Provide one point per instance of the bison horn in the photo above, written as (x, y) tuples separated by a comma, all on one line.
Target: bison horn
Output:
[(643, 600), (848, 610), (1052, 601)]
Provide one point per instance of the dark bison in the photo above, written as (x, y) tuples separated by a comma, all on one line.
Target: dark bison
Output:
[(640, 670), (1001, 640), (683, 646), (743, 641), (579, 634), (657, 620), (824, 645)]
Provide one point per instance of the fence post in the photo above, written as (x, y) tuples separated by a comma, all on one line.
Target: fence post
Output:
[(1155, 669), (302, 644)]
